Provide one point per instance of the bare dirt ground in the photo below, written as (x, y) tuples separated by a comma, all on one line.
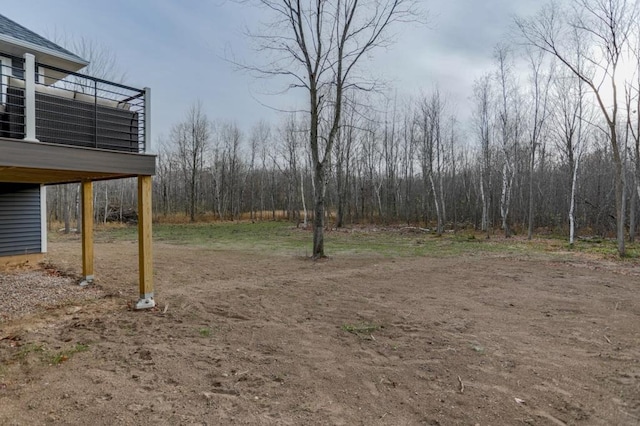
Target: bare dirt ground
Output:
[(241, 338)]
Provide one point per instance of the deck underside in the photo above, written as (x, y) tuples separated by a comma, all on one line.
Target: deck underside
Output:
[(34, 162)]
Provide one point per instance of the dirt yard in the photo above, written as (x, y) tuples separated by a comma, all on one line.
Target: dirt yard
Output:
[(240, 338)]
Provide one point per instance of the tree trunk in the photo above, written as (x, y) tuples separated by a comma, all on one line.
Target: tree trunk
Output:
[(106, 202), (66, 212), (439, 225), (572, 203), (632, 216), (505, 200), (484, 225), (304, 203), (636, 195), (531, 165), (620, 207), (318, 217)]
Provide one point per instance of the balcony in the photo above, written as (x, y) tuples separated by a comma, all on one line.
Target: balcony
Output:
[(42, 103)]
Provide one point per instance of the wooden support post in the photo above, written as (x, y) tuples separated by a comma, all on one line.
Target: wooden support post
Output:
[(145, 251), (87, 232)]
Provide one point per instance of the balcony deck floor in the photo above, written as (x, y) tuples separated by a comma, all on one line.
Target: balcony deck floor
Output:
[(35, 162)]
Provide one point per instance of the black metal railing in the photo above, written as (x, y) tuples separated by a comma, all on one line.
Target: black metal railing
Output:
[(74, 109), (11, 109)]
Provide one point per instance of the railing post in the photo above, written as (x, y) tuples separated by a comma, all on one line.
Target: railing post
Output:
[(147, 119), (95, 114), (30, 98)]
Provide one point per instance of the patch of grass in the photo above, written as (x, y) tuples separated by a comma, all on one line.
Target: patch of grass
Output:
[(608, 249), (129, 330), (259, 236), (47, 356), (285, 238), (360, 329), (204, 332), (62, 356), (28, 349)]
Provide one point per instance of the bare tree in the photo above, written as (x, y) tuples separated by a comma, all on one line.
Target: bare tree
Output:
[(191, 138), (259, 137), (432, 152), (605, 27), (482, 124), (165, 176), (369, 170), (408, 149), (540, 85), (453, 159), (632, 102), (567, 120), (287, 152), (317, 45), (508, 128), (343, 149), (229, 137), (390, 152), (103, 61)]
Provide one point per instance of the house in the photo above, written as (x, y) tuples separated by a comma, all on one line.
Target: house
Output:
[(60, 126)]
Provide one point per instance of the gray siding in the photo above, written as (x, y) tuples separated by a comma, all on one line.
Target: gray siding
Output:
[(20, 225)]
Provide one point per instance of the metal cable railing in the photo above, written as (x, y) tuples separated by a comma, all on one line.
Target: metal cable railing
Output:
[(74, 109)]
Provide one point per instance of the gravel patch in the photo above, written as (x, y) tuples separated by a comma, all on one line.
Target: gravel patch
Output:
[(25, 292)]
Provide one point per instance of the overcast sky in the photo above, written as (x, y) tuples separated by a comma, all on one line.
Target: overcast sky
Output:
[(176, 48)]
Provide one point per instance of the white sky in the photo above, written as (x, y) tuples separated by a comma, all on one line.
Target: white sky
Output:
[(176, 48)]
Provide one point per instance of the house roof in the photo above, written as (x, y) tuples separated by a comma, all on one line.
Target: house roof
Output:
[(22, 39)]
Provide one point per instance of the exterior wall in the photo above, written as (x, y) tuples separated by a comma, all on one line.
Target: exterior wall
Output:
[(21, 218)]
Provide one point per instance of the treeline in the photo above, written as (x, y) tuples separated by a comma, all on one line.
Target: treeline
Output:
[(413, 164), (373, 191)]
